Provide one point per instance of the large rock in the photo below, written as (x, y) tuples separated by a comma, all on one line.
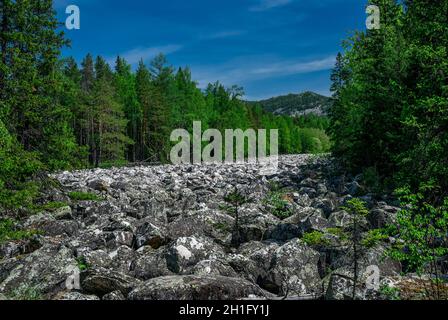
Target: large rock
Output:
[(103, 281), (151, 264), (150, 233), (194, 288), (295, 270), (77, 296), (46, 270), (382, 216), (184, 253)]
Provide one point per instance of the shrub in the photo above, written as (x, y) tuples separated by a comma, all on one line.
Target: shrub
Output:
[(82, 264), (83, 196), (9, 232), (315, 238), (277, 203), (373, 238), (422, 229)]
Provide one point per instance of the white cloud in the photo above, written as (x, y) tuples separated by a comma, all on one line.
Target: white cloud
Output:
[(133, 56), (253, 68), (224, 34), (264, 5)]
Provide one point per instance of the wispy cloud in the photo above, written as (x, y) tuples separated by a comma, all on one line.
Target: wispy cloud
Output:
[(224, 34), (133, 56), (264, 5), (247, 69)]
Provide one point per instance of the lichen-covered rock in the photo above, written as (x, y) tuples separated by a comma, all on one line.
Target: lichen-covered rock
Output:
[(170, 226), (104, 281), (194, 288), (149, 233), (295, 270), (114, 296), (212, 267), (46, 270), (152, 264), (184, 253), (77, 296)]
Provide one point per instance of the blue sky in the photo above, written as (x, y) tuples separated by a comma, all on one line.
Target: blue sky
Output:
[(270, 47)]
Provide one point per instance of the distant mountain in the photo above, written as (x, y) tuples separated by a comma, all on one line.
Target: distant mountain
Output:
[(296, 105)]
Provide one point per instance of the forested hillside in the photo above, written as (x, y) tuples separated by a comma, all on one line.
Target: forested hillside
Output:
[(297, 104)]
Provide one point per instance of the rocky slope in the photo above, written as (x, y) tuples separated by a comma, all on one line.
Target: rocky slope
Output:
[(166, 232)]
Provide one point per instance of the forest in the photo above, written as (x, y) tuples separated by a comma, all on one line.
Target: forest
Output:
[(58, 115), (390, 119), (386, 128)]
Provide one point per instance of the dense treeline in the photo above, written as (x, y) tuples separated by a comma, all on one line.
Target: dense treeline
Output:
[(119, 115), (390, 120), (391, 96), (56, 114)]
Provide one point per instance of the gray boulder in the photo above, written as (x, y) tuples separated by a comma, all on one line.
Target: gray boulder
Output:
[(295, 270), (195, 288), (184, 253), (103, 281)]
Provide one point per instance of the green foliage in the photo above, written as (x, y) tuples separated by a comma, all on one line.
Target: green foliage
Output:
[(356, 207), (235, 200), (9, 232), (373, 238), (390, 96), (422, 230), (83, 196), (372, 180), (82, 264), (316, 238), (338, 232), (390, 293), (277, 203), (51, 206), (222, 227)]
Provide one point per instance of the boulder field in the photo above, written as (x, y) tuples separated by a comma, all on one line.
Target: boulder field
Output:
[(167, 232)]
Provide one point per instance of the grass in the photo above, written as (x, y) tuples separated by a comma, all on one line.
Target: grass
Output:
[(50, 206), (315, 238), (9, 232), (83, 196)]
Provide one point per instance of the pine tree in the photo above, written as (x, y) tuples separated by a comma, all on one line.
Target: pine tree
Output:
[(125, 84)]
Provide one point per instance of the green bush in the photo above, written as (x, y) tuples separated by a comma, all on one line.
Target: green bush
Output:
[(9, 232), (422, 229), (276, 202), (373, 238), (83, 196), (82, 264), (390, 293), (17, 166), (315, 238)]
